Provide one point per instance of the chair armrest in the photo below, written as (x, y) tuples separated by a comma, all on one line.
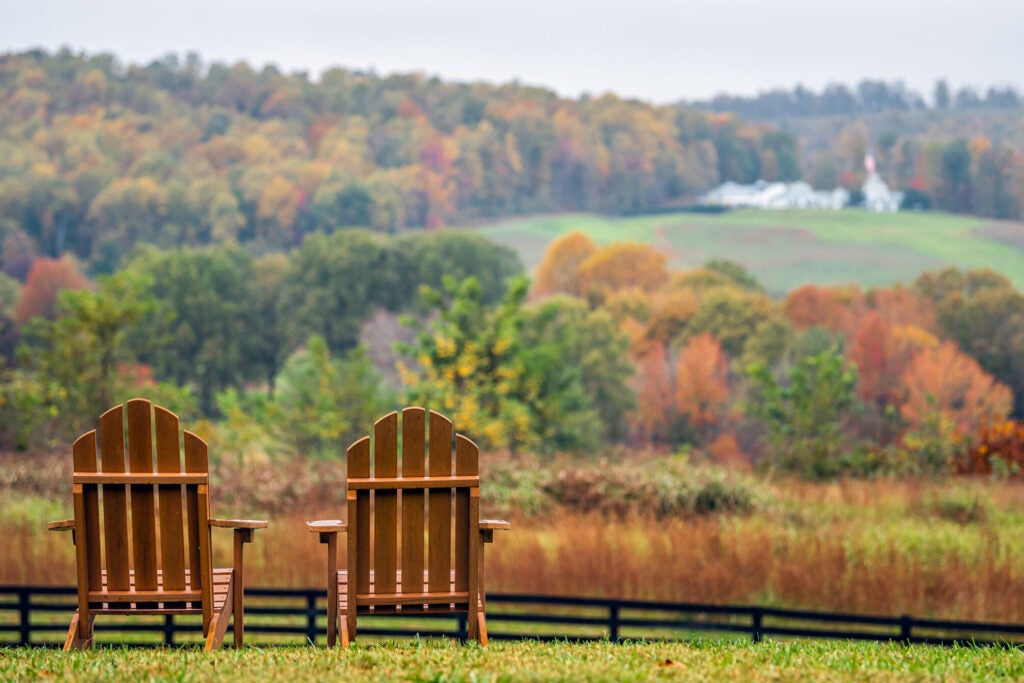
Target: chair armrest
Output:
[(491, 524), (63, 525), (322, 526), (238, 523), (488, 526)]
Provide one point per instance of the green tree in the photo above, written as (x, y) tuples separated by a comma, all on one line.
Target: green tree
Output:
[(954, 192), (334, 283), (323, 404), (343, 206), (433, 255), (25, 407), (735, 272), (731, 315), (577, 339), (198, 331), (804, 416), (10, 292), (509, 377), (268, 339), (77, 354), (783, 147), (982, 312)]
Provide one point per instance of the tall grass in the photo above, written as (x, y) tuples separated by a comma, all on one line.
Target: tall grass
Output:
[(926, 548)]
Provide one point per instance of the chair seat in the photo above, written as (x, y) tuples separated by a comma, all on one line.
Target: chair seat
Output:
[(222, 579), (414, 608)]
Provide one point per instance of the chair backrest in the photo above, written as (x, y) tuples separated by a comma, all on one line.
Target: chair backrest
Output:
[(434, 501), (146, 506)]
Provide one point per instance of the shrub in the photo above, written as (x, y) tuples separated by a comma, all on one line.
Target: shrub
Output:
[(963, 506), (998, 451), (668, 488)]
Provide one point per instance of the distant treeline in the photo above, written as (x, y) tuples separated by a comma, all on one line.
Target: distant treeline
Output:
[(963, 153), (868, 96), (97, 156)]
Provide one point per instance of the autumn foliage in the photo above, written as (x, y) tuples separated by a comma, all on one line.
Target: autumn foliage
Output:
[(916, 397), (998, 444), (702, 382), (558, 272), (624, 265), (815, 306), (654, 386), (945, 380), (46, 279)]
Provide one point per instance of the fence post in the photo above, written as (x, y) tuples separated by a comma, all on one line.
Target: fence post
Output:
[(755, 617), (613, 622), (24, 603), (311, 617), (169, 630), (906, 623)]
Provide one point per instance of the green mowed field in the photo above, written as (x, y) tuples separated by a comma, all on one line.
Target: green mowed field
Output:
[(786, 249), (439, 660)]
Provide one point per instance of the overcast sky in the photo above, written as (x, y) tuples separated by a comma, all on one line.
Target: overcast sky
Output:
[(658, 50)]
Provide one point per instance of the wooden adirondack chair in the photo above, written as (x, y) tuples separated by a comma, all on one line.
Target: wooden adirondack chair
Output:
[(155, 527), (403, 579)]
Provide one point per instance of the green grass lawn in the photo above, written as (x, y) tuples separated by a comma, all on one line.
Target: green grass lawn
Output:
[(785, 249), (439, 660)]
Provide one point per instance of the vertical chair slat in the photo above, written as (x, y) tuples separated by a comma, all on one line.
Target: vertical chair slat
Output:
[(474, 585), (87, 533), (143, 504), (198, 500), (413, 451), (87, 520), (193, 528), (359, 466), (440, 505), (115, 508), (466, 464), (172, 537), (385, 513)]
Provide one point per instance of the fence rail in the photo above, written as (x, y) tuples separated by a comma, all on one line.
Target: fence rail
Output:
[(39, 616)]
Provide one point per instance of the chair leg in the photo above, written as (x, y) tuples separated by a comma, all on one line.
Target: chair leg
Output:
[(79, 633), (481, 625), (219, 623), (332, 610), (473, 625), (74, 639), (242, 536), (344, 633), (349, 621)]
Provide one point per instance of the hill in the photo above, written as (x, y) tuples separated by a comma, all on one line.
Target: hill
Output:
[(98, 156), (785, 249)]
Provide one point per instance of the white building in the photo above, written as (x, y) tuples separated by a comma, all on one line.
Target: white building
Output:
[(768, 195), (878, 196)]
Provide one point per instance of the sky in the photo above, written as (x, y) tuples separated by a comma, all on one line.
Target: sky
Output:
[(656, 50)]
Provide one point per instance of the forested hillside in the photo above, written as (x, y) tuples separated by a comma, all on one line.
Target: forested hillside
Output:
[(97, 156), (962, 152), (247, 247)]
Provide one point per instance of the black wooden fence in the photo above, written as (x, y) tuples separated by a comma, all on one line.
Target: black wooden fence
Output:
[(39, 616)]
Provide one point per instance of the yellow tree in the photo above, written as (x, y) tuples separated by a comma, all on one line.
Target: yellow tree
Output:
[(621, 266), (557, 271)]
